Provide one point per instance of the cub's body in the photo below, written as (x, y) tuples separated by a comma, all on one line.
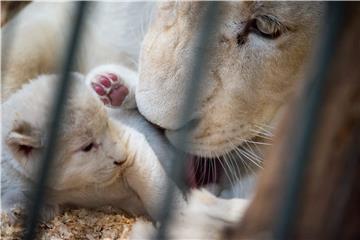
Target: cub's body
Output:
[(105, 157)]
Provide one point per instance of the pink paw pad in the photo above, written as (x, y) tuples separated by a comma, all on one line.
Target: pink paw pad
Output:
[(110, 90)]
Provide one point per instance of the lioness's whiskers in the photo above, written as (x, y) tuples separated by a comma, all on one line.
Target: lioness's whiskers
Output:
[(226, 173), (230, 168), (238, 153), (203, 173), (230, 159), (208, 170), (247, 168), (239, 156), (269, 127), (213, 164), (262, 135), (251, 156), (252, 152), (264, 130), (197, 163), (252, 141), (237, 168), (248, 156)]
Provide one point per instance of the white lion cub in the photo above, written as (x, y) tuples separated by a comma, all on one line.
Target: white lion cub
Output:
[(105, 156)]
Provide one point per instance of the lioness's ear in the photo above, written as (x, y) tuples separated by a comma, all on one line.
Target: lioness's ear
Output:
[(23, 138)]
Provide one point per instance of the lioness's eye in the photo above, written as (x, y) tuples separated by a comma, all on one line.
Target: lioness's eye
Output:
[(266, 27), (88, 147)]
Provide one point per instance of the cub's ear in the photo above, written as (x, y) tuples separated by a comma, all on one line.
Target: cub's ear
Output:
[(23, 138)]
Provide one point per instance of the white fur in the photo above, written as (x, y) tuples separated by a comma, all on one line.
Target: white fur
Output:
[(204, 217), (87, 179), (245, 86), (112, 33)]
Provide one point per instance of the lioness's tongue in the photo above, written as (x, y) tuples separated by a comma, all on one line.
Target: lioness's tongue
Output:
[(191, 172)]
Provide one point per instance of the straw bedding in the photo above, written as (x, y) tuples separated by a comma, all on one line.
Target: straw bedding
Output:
[(79, 224)]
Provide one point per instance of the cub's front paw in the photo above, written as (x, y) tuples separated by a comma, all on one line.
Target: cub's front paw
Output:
[(112, 84)]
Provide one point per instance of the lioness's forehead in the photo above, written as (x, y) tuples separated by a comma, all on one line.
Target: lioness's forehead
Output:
[(287, 11)]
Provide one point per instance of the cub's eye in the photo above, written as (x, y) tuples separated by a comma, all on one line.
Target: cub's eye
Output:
[(88, 147), (267, 27)]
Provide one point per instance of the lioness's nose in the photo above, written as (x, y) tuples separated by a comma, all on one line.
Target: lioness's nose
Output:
[(161, 108)]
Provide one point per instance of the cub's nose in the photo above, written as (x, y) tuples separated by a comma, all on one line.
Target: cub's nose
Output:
[(118, 163)]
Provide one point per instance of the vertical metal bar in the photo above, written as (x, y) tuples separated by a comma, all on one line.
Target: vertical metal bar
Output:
[(200, 58), (54, 126), (307, 119)]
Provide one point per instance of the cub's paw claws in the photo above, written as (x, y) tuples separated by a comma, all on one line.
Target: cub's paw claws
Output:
[(109, 88)]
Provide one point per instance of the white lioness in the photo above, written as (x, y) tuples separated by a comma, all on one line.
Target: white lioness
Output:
[(103, 158), (259, 53)]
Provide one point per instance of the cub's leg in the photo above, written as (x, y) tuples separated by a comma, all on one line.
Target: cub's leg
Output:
[(114, 85)]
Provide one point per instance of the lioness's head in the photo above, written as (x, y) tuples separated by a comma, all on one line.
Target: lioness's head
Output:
[(259, 52), (90, 149)]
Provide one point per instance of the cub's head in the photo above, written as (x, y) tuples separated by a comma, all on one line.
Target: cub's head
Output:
[(90, 150), (258, 52)]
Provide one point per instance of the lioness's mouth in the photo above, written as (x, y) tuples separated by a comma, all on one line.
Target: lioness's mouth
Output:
[(201, 171), (241, 161)]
